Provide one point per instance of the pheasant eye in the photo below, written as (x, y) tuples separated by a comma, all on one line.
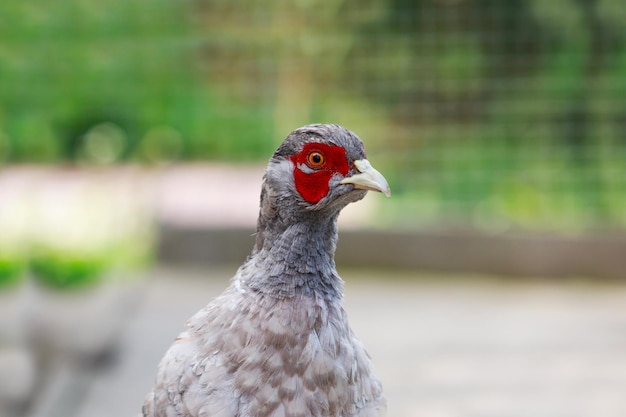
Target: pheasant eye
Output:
[(315, 159)]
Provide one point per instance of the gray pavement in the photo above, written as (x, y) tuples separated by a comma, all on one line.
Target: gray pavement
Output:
[(443, 345)]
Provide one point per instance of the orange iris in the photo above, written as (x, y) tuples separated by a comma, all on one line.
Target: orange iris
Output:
[(315, 159)]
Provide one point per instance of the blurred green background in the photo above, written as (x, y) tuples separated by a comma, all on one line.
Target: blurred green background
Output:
[(489, 114)]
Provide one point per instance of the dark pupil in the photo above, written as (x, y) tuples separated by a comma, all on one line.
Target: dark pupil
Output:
[(316, 158)]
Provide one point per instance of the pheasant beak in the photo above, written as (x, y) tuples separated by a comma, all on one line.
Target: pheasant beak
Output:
[(368, 178)]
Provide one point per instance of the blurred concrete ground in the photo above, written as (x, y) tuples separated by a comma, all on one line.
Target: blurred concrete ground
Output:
[(443, 345)]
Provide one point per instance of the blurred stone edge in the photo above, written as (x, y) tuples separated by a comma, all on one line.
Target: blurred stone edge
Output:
[(601, 256)]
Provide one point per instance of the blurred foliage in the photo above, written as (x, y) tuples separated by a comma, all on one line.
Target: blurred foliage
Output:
[(490, 113), (11, 269), (93, 230), (68, 270)]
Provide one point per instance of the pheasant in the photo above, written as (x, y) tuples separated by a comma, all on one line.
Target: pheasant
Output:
[(277, 342)]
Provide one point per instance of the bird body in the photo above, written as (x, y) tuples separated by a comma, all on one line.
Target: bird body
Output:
[(277, 342)]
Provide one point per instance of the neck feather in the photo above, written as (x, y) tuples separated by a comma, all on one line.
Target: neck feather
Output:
[(294, 257)]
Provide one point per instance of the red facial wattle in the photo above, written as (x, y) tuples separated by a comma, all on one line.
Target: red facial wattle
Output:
[(314, 185)]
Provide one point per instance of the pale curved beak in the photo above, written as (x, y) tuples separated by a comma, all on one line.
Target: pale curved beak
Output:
[(368, 178)]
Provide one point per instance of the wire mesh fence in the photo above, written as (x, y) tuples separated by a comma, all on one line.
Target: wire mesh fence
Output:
[(491, 114)]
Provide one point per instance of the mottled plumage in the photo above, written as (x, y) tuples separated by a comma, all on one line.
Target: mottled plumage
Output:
[(277, 342)]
